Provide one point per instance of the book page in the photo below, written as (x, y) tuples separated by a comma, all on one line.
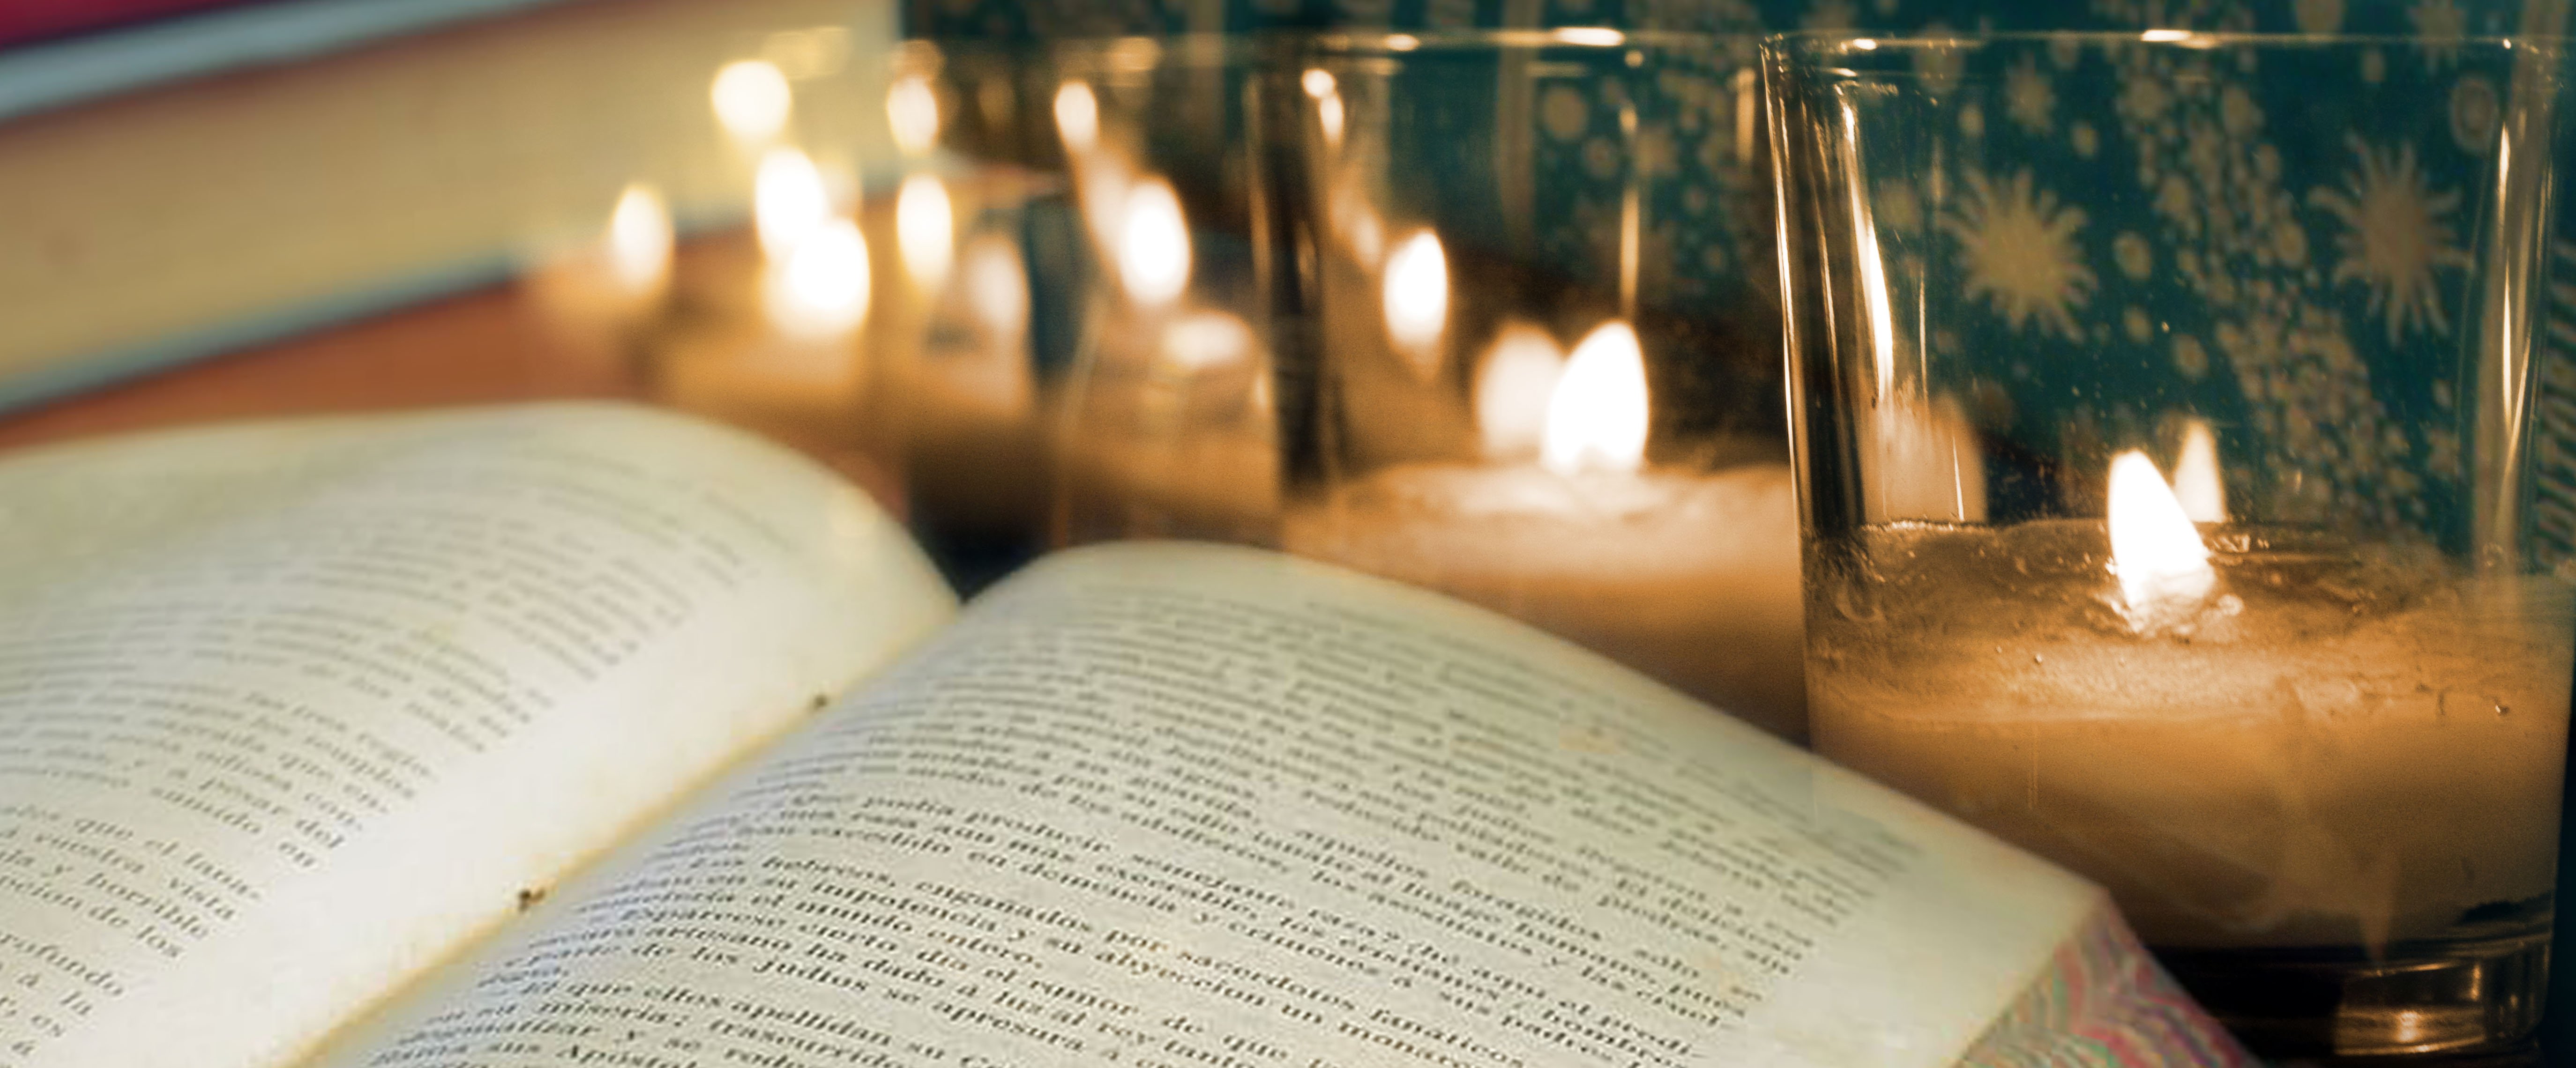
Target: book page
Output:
[(1195, 806), (290, 712)]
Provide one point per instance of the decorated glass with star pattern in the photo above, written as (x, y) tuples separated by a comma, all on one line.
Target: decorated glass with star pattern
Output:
[(2182, 423)]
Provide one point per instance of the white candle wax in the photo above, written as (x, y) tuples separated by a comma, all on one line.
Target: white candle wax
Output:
[(2345, 745), (1689, 577)]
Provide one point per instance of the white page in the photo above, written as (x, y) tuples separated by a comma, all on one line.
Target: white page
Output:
[(291, 711), (1190, 805)]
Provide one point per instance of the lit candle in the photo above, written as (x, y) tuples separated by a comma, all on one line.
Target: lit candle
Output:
[(2253, 737), (752, 101), (1153, 244), (606, 291), (1170, 430), (783, 353), (1690, 576), (912, 114), (925, 227), (788, 201)]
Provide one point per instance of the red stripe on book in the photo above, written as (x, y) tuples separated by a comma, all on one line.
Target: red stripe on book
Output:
[(30, 20)]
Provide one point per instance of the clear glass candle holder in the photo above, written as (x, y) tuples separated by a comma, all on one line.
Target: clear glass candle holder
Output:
[(1345, 280), (1537, 364), (1165, 427), (2177, 418)]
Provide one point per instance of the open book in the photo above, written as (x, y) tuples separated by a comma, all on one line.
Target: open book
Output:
[(587, 735)]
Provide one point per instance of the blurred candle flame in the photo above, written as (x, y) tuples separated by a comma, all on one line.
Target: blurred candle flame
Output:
[(2162, 566), (1596, 418), (1153, 243), (1594, 36), (788, 202), (997, 286), (1416, 299), (1077, 116), (925, 228), (752, 99), (1513, 386), (1321, 85), (2196, 479), (638, 242), (912, 111), (821, 290), (1204, 340)]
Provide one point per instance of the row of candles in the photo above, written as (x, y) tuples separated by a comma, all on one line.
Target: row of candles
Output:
[(1950, 670)]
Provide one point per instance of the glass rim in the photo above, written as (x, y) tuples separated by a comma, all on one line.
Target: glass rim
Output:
[(1807, 41), (1136, 52)]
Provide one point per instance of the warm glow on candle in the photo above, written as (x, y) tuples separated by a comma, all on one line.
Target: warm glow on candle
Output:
[(1513, 387), (912, 110), (1416, 299), (1357, 221), (788, 202), (2196, 480), (1596, 419), (1320, 84), (2157, 554), (1077, 116), (997, 285), (925, 229), (639, 240), (1208, 339), (751, 99), (1153, 243), (821, 290), (1594, 36)]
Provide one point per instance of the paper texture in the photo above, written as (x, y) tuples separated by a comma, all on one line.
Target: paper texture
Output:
[(1180, 804), (290, 712)]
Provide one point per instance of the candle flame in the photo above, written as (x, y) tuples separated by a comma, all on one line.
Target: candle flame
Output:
[(1416, 299), (997, 285), (1318, 82), (1077, 116), (639, 240), (1205, 340), (1153, 243), (751, 99), (821, 291), (1513, 387), (1596, 419), (788, 202), (2163, 567), (2196, 479), (925, 229), (912, 112)]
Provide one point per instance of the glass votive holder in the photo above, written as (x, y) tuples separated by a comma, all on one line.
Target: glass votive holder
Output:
[(1165, 426), (1537, 365), (975, 317), (2166, 408)]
